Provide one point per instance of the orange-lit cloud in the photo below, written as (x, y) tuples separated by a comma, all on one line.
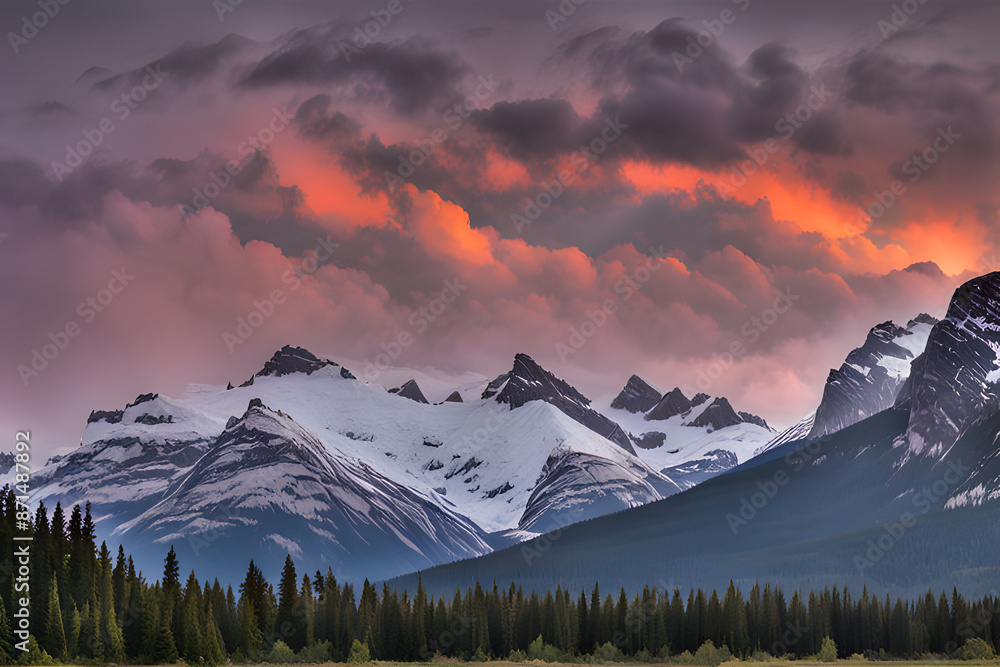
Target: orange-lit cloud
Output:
[(329, 192)]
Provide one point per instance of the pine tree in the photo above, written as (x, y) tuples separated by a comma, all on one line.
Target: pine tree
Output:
[(6, 634), (211, 639), (55, 636), (118, 583), (171, 587), (41, 568), (111, 641), (89, 644), (164, 648), (189, 643), (254, 589), (73, 636), (674, 629), (307, 611), (288, 621), (250, 634), (230, 624), (133, 611)]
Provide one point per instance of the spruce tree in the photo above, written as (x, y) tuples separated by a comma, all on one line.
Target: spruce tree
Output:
[(190, 641), (171, 587), (73, 634), (55, 636), (164, 648), (288, 621), (250, 634), (6, 634), (118, 576), (211, 639)]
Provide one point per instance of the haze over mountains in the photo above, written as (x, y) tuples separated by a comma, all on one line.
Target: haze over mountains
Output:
[(377, 482)]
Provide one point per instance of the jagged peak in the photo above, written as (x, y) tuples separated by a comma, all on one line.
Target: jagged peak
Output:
[(955, 375), (750, 418), (636, 396), (411, 390), (290, 360), (142, 398), (886, 331), (257, 406), (699, 398), (527, 380), (922, 318), (673, 403), (718, 414)]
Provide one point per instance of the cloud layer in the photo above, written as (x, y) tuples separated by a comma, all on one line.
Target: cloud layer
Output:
[(609, 200)]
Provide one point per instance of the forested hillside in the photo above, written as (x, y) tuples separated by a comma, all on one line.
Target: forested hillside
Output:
[(88, 603)]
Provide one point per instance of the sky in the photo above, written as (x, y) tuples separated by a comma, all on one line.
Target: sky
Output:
[(722, 196)]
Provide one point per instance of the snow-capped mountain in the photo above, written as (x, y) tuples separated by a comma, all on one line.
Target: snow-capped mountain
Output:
[(637, 396), (871, 376), (956, 376), (270, 487), (527, 381), (898, 501), (797, 431), (687, 439), (411, 390), (373, 482), (6, 461)]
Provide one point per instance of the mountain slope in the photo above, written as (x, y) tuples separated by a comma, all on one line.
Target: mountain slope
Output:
[(483, 468), (867, 506), (268, 487), (958, 371), (804, 518), (871, 375), (688, 440), (636, 396), (527, 381)]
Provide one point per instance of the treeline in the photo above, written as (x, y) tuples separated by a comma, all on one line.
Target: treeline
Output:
[(88, 604)]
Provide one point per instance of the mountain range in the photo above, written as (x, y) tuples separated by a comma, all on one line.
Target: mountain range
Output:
[(304, 458), (891, 485), (888, 484)]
